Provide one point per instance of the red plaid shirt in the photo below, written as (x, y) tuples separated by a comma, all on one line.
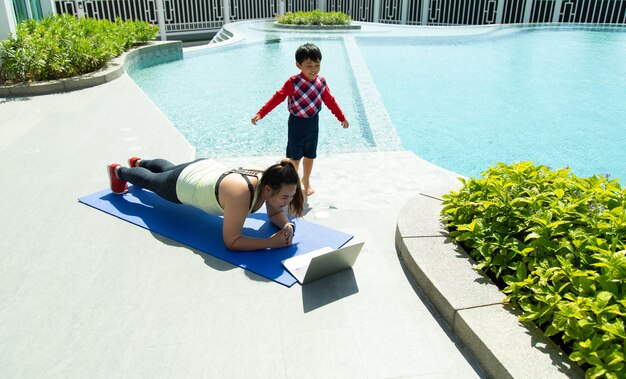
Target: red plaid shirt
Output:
[(305, 98)]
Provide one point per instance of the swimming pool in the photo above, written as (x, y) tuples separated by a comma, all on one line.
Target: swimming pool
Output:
[(551, 95)]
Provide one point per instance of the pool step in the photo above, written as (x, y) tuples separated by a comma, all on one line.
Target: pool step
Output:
[(222, 36), (382, 130)]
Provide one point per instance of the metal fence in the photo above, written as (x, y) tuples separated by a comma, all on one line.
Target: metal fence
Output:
[(185, 16)]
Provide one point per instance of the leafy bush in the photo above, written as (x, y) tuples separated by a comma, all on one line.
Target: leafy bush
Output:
[(315, 17), (556, 243), (64, 46)]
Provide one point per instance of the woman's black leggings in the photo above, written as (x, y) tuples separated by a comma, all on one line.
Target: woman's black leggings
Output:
[(156, 175)]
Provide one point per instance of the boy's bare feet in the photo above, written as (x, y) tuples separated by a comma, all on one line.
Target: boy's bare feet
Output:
[(308, 189)]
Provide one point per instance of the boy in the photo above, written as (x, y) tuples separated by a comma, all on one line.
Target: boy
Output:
[(305, 92)]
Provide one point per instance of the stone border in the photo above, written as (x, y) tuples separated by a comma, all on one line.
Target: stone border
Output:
[(163, 51), (470, 303), (321, 28)]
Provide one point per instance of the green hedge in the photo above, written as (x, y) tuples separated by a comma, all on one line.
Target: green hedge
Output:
[(65, 46), (556, 243), (315, 17)]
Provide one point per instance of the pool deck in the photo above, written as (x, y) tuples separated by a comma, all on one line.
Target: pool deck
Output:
[(83, 294)]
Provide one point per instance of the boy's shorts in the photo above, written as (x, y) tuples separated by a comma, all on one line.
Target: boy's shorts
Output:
[(302, 137)]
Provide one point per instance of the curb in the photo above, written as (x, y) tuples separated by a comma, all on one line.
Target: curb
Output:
[(158, 51), (470, 303)]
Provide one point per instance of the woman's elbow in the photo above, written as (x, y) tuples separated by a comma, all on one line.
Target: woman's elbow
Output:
[(231, 244)]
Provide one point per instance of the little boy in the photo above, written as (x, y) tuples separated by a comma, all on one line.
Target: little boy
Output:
[(306, 92)]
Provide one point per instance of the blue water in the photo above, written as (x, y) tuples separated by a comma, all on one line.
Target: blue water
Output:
[(553, 96)]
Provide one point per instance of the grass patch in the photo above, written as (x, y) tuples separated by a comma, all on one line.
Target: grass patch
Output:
[(556, 245), (64, 46), (315, 17)]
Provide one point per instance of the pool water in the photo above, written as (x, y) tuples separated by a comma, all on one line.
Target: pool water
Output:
[(555, 96)]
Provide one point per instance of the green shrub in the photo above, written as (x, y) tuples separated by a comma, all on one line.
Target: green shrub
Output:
[(315, 17), (556, 243), (64, 46)]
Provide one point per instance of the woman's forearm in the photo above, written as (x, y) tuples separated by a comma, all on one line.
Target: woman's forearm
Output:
[(279, 219), (281, 238), (243, 243)]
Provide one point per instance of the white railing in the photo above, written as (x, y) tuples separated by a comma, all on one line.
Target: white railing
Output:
[(184, 16)]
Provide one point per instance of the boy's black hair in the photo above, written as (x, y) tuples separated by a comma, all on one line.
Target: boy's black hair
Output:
[(308, 51)]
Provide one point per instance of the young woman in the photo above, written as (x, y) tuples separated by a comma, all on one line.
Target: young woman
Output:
[(207, 185)]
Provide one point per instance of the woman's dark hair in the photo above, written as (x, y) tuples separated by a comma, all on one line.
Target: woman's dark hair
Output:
[(308, 51), (282, 173)]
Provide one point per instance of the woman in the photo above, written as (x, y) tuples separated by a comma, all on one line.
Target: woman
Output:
[(207, 185)]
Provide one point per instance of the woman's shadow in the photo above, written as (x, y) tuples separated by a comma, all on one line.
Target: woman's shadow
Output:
[(185, 226)]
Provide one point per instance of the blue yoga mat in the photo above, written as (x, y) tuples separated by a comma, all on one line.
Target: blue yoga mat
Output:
[(202, 231)]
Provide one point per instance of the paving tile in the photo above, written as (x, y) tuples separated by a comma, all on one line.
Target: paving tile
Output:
[(419, 358), (315, 354)]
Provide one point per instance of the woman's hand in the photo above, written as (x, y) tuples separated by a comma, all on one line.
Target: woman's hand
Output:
[(283, 237), (289, 230)]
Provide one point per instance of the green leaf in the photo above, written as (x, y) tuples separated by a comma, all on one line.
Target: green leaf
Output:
[(615, 358), (559, 193), (472, 225), (532, 235), (577, 356), (487, 204), (616, 328), (555, 224), (551, 330), (529, 316), (603, 298), (595, 372)]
